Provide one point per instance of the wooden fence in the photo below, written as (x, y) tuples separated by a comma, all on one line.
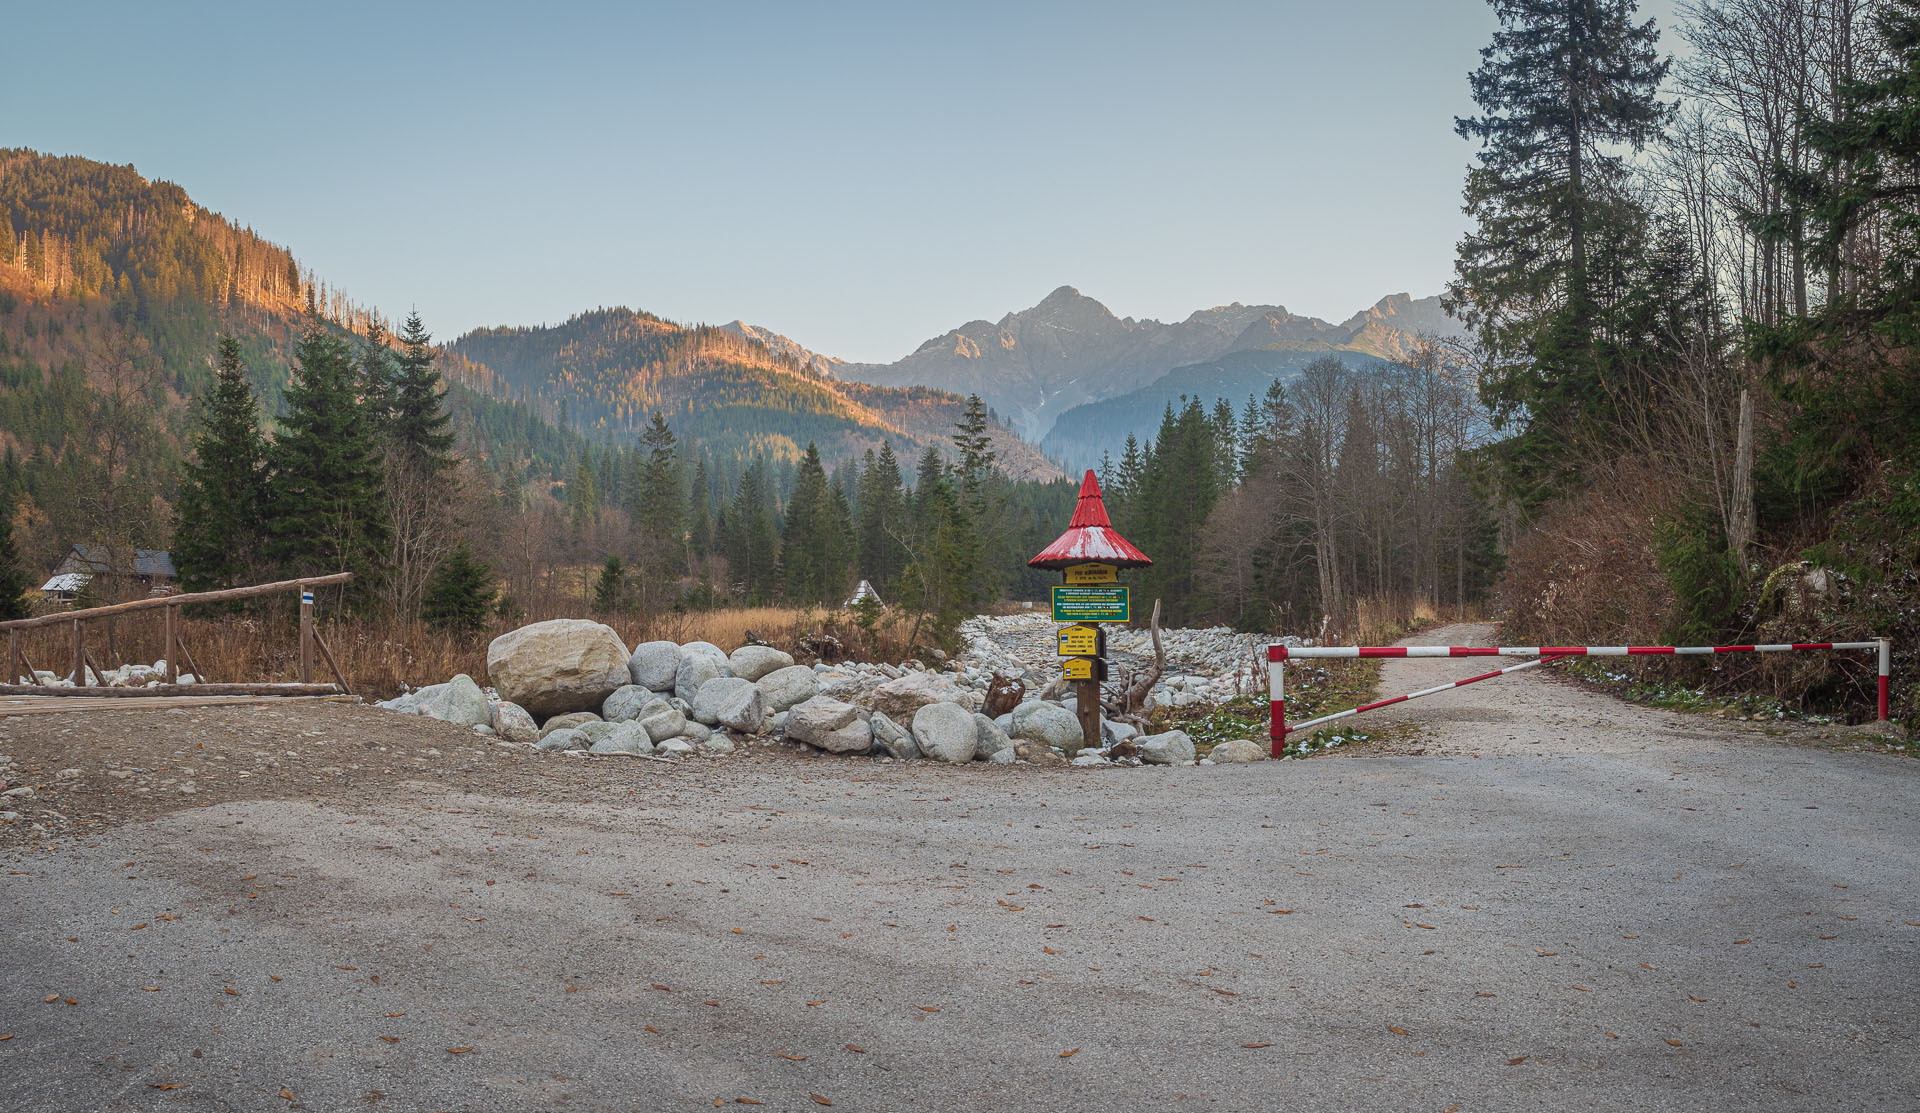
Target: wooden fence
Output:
[(176, 647)]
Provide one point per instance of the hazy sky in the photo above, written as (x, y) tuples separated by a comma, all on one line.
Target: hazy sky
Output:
[(860, 177)]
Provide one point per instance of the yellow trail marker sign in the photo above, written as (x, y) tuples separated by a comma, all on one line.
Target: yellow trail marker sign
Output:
[(1093, 573), (1084, 668), (1080, 641)]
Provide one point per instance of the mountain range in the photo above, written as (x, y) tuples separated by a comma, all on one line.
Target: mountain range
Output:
[(1038, 366)]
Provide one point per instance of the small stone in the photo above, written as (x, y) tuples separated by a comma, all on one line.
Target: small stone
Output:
[(989, 739), (628, 702), (787, 686), (1172, 748), (732, 702), (718, 744), (892, 738), (677, 746), (664, 723), (512, 722), (570, 721), (566, 738), (1238, 750), (653, 665)]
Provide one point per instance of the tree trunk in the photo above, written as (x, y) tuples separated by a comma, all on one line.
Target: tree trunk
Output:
[(1740, 535)]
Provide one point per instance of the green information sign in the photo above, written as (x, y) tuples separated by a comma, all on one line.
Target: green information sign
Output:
[(1090, 604)]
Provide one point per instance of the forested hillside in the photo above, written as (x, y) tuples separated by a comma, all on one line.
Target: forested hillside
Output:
[(606, 372)]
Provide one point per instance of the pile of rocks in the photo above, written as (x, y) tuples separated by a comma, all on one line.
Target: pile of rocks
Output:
[(1204, 666), (126, 676), (571, 685)]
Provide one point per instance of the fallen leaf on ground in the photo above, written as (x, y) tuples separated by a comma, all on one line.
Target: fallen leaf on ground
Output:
[(1069, 1054), (231, 992), (288, 1094), (856, 1049), (818, 1100), (459, 1050), (1256, 1045), (795, 1058), (1516, 1061), (1398, 1031), (391, 1039), (50, 998), (164, 1086), (1674, 1043)]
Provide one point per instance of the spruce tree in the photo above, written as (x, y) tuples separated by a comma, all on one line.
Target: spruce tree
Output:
[(816, 548), (14, 583), (700, 511), (219, 532), (657, 499), (752, 548), (1563, 87), (610, 587), (377, 377), (327, 509), (420, 420), (883, 516), (460, 596)]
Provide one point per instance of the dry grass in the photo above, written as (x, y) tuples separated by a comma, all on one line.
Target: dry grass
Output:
[(380, 657)]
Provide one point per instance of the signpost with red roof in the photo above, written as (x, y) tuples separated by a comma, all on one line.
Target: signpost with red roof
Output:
[(1089, 556)]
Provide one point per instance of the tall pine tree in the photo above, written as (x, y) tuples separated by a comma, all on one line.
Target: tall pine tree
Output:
[(327, 510), (1563, 87), (420, 420), (219, 533)]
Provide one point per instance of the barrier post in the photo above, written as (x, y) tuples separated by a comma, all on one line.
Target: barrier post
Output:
[(1886, 675), (306, 634), (1277, 694)]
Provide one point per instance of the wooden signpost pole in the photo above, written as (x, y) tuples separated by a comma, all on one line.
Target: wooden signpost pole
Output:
[(306, 634), (1089, 557)]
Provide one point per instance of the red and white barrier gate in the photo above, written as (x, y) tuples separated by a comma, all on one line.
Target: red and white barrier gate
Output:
[(1278, 655)]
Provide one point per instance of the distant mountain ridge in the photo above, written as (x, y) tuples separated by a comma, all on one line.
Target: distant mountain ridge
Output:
[(607, 371), (1033, 365)]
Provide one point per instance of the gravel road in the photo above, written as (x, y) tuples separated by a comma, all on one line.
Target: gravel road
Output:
[(1612, 908)]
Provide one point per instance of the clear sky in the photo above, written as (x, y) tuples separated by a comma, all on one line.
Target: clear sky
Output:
[(859, 177)]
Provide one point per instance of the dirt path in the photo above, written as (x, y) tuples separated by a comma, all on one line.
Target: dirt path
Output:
[(1540, 712)]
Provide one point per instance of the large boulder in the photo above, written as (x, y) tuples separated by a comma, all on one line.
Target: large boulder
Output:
[(1046, 722), (989, 739), (1238, 750), (946, 732), (653, 664), (459, 701), (830, 725), (563, 664), (572, 720), (788, 686), (902, 698), (892, 738), (511, 722), (1174, 747), (731, 702), (696, 668), (629, 702), (751, 662)]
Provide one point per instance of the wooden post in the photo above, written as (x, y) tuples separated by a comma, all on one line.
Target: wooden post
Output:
[(172, 649), (13, 657), (79, 654), (1086, 702), (306, 634)]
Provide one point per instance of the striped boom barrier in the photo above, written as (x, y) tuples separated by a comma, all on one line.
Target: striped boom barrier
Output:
[(1278, 655)]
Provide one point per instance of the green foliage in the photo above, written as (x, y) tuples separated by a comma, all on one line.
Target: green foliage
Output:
[(419, 422), (610, 594), (1562, 85), (817, 547), (326, 508), (14, 583), (1707, 580), (460, 595), (219, 536)]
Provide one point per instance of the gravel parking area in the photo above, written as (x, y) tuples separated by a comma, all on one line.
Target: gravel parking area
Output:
[(1689, 916)]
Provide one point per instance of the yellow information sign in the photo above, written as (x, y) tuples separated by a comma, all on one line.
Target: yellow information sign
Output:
[(1084, 668), (1080, 641), (1093, 573)]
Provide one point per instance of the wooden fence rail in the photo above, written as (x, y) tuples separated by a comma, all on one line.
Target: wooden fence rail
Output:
[(176, 646)]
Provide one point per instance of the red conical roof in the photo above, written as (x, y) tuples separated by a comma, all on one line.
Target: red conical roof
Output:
[(1090, 536)]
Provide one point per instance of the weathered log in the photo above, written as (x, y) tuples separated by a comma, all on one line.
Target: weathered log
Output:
[(1137, 692), (191, 598), (175, 690), (339, 676)]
